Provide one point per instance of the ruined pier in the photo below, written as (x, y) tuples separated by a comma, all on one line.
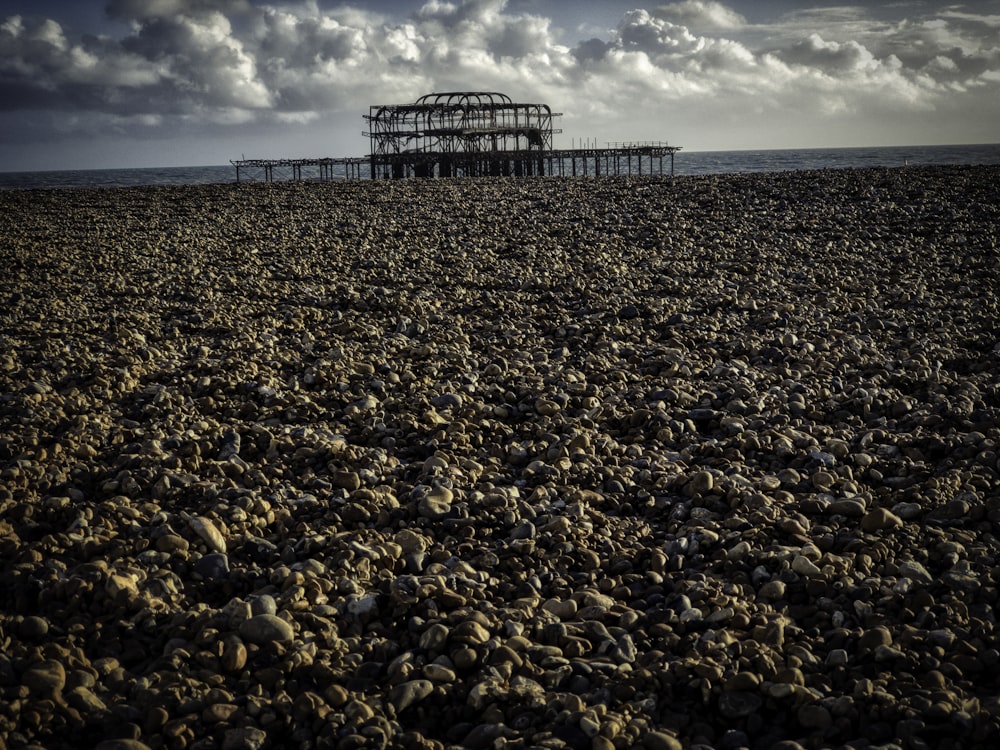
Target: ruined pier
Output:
[(466, 134)]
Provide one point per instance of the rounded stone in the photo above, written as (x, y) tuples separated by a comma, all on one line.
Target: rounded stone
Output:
[(406, 694), (436, 504), (244, 738), (263, 629), (660, 741), (263, 604), (814, 717), (806, 567), (772, 590), (34, 627), (46, 678), (880, 519), (700, 484), (738, 704), (213, 566), (872, 638)]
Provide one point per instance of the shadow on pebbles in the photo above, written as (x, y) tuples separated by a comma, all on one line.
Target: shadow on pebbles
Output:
[(544, 463)]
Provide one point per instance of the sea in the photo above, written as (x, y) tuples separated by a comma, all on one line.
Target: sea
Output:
[(686, 163)]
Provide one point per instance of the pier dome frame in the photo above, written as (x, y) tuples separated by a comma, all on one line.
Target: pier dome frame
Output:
[(459, 133)]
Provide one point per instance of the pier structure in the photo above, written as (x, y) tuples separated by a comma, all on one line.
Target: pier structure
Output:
[(459, 133), (615, 160), (466, 134), (266, 170)]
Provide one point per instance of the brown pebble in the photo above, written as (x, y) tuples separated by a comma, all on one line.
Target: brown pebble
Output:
[(879, 519)]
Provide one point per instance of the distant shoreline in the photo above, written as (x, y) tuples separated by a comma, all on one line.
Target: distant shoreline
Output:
[(687, 162)]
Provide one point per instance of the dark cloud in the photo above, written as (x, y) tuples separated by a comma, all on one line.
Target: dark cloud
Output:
[(150, 10), (829, 57), (590, 50), (188, 64)]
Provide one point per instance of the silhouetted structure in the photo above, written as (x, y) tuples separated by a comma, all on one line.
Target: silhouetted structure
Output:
[(459, 134), (469, 134)]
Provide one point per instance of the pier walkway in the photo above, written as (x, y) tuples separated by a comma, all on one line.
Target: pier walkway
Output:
[(616, 160), (269, 170)]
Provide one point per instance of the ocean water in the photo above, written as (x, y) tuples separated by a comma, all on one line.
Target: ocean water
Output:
[(686, 163)]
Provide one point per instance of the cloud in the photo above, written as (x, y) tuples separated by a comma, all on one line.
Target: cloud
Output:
[(208, 65), (39, 67), (701, 15), (831, 57), (141, 11)]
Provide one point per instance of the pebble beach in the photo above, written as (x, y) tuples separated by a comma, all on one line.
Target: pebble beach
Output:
[(703, 462)]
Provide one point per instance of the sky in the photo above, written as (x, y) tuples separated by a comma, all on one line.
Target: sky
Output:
[(89, 84)]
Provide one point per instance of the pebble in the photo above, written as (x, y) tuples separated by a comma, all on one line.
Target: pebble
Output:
[(206, 529), (213, 566), (880, 519), (435, 504), (738, 704), (277, 462), (45, 679), (266, 628), (34, 627), (660, 741), (244, 738), (405, 695)]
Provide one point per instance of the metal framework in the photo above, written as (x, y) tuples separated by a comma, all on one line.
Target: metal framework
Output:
[(459, 134), (466, 134), (299, 169)]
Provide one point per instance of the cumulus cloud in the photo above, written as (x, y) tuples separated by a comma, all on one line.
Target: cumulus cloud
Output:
[(232, 63), (701, 15)]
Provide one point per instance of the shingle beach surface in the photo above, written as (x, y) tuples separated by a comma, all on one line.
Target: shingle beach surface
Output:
[(511, 463)]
